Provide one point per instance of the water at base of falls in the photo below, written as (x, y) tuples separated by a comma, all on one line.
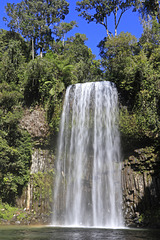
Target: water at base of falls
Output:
[(87, 189)]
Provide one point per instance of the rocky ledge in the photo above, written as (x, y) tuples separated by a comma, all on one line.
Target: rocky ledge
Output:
[(23, 217), (141, 188)]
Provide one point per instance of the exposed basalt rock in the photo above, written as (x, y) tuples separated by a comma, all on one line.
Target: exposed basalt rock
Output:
[(140, 180), (35, 123), (141, 188), (42, 160), (36, 199)]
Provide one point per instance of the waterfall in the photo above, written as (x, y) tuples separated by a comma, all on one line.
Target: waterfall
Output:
[(87, 188)]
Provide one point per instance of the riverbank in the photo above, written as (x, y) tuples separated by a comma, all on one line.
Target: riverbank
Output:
[(15, 216)]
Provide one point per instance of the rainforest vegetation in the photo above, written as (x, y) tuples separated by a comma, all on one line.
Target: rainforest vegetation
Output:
[(37, 63)]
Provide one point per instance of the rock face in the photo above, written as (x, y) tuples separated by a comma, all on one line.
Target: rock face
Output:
[(141, 188), (35, 123), (140, 179), (37, 196)]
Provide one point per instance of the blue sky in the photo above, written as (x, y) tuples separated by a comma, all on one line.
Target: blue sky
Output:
[(94, 32)]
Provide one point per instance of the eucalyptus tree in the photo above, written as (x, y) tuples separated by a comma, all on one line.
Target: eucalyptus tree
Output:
[(63, 28), (100, 10), (14, 53), (86, 68), (149, 7), (35, 19)]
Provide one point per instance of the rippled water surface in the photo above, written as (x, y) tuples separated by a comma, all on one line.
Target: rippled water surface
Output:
[(51, 233)]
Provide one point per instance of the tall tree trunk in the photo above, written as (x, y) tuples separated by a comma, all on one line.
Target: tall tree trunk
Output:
[(40, 47), (158, 11), (106, 26), (33, 48), (28, 197), (41, 54), (63, 41), (115, 22)]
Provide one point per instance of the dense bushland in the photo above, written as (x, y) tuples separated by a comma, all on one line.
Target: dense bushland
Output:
[(26, 82), (37, 66)]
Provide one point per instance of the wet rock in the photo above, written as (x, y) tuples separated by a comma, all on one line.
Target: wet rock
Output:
[(17, 222)]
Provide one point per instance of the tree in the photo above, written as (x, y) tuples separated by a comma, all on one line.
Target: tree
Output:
[(135, 69), (34, 19), (150, 39), (118, 62), (63, 28), (15, 145), (14, 53), (86, 68), (100, 10), (149, 7)]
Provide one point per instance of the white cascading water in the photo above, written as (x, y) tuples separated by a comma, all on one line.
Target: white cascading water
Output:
[(88, 172)]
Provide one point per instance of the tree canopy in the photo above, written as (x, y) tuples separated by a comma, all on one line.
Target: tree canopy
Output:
[(35, 20), (149, 7), (99, 11)]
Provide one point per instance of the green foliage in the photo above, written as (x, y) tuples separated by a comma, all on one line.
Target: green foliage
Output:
[(63, 28), (45, 79), (33, 74), (149, 7), (86, 68), (134, 67), (36, 19), (6, 211), (141, 218), (128, 124), (43, 186), (15, 144), (118, 59), (14, 52), (150, 38), (14, 163), (100, 11)]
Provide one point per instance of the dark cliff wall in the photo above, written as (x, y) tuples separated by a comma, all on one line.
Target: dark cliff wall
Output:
[(140, 178), (141, 188)]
